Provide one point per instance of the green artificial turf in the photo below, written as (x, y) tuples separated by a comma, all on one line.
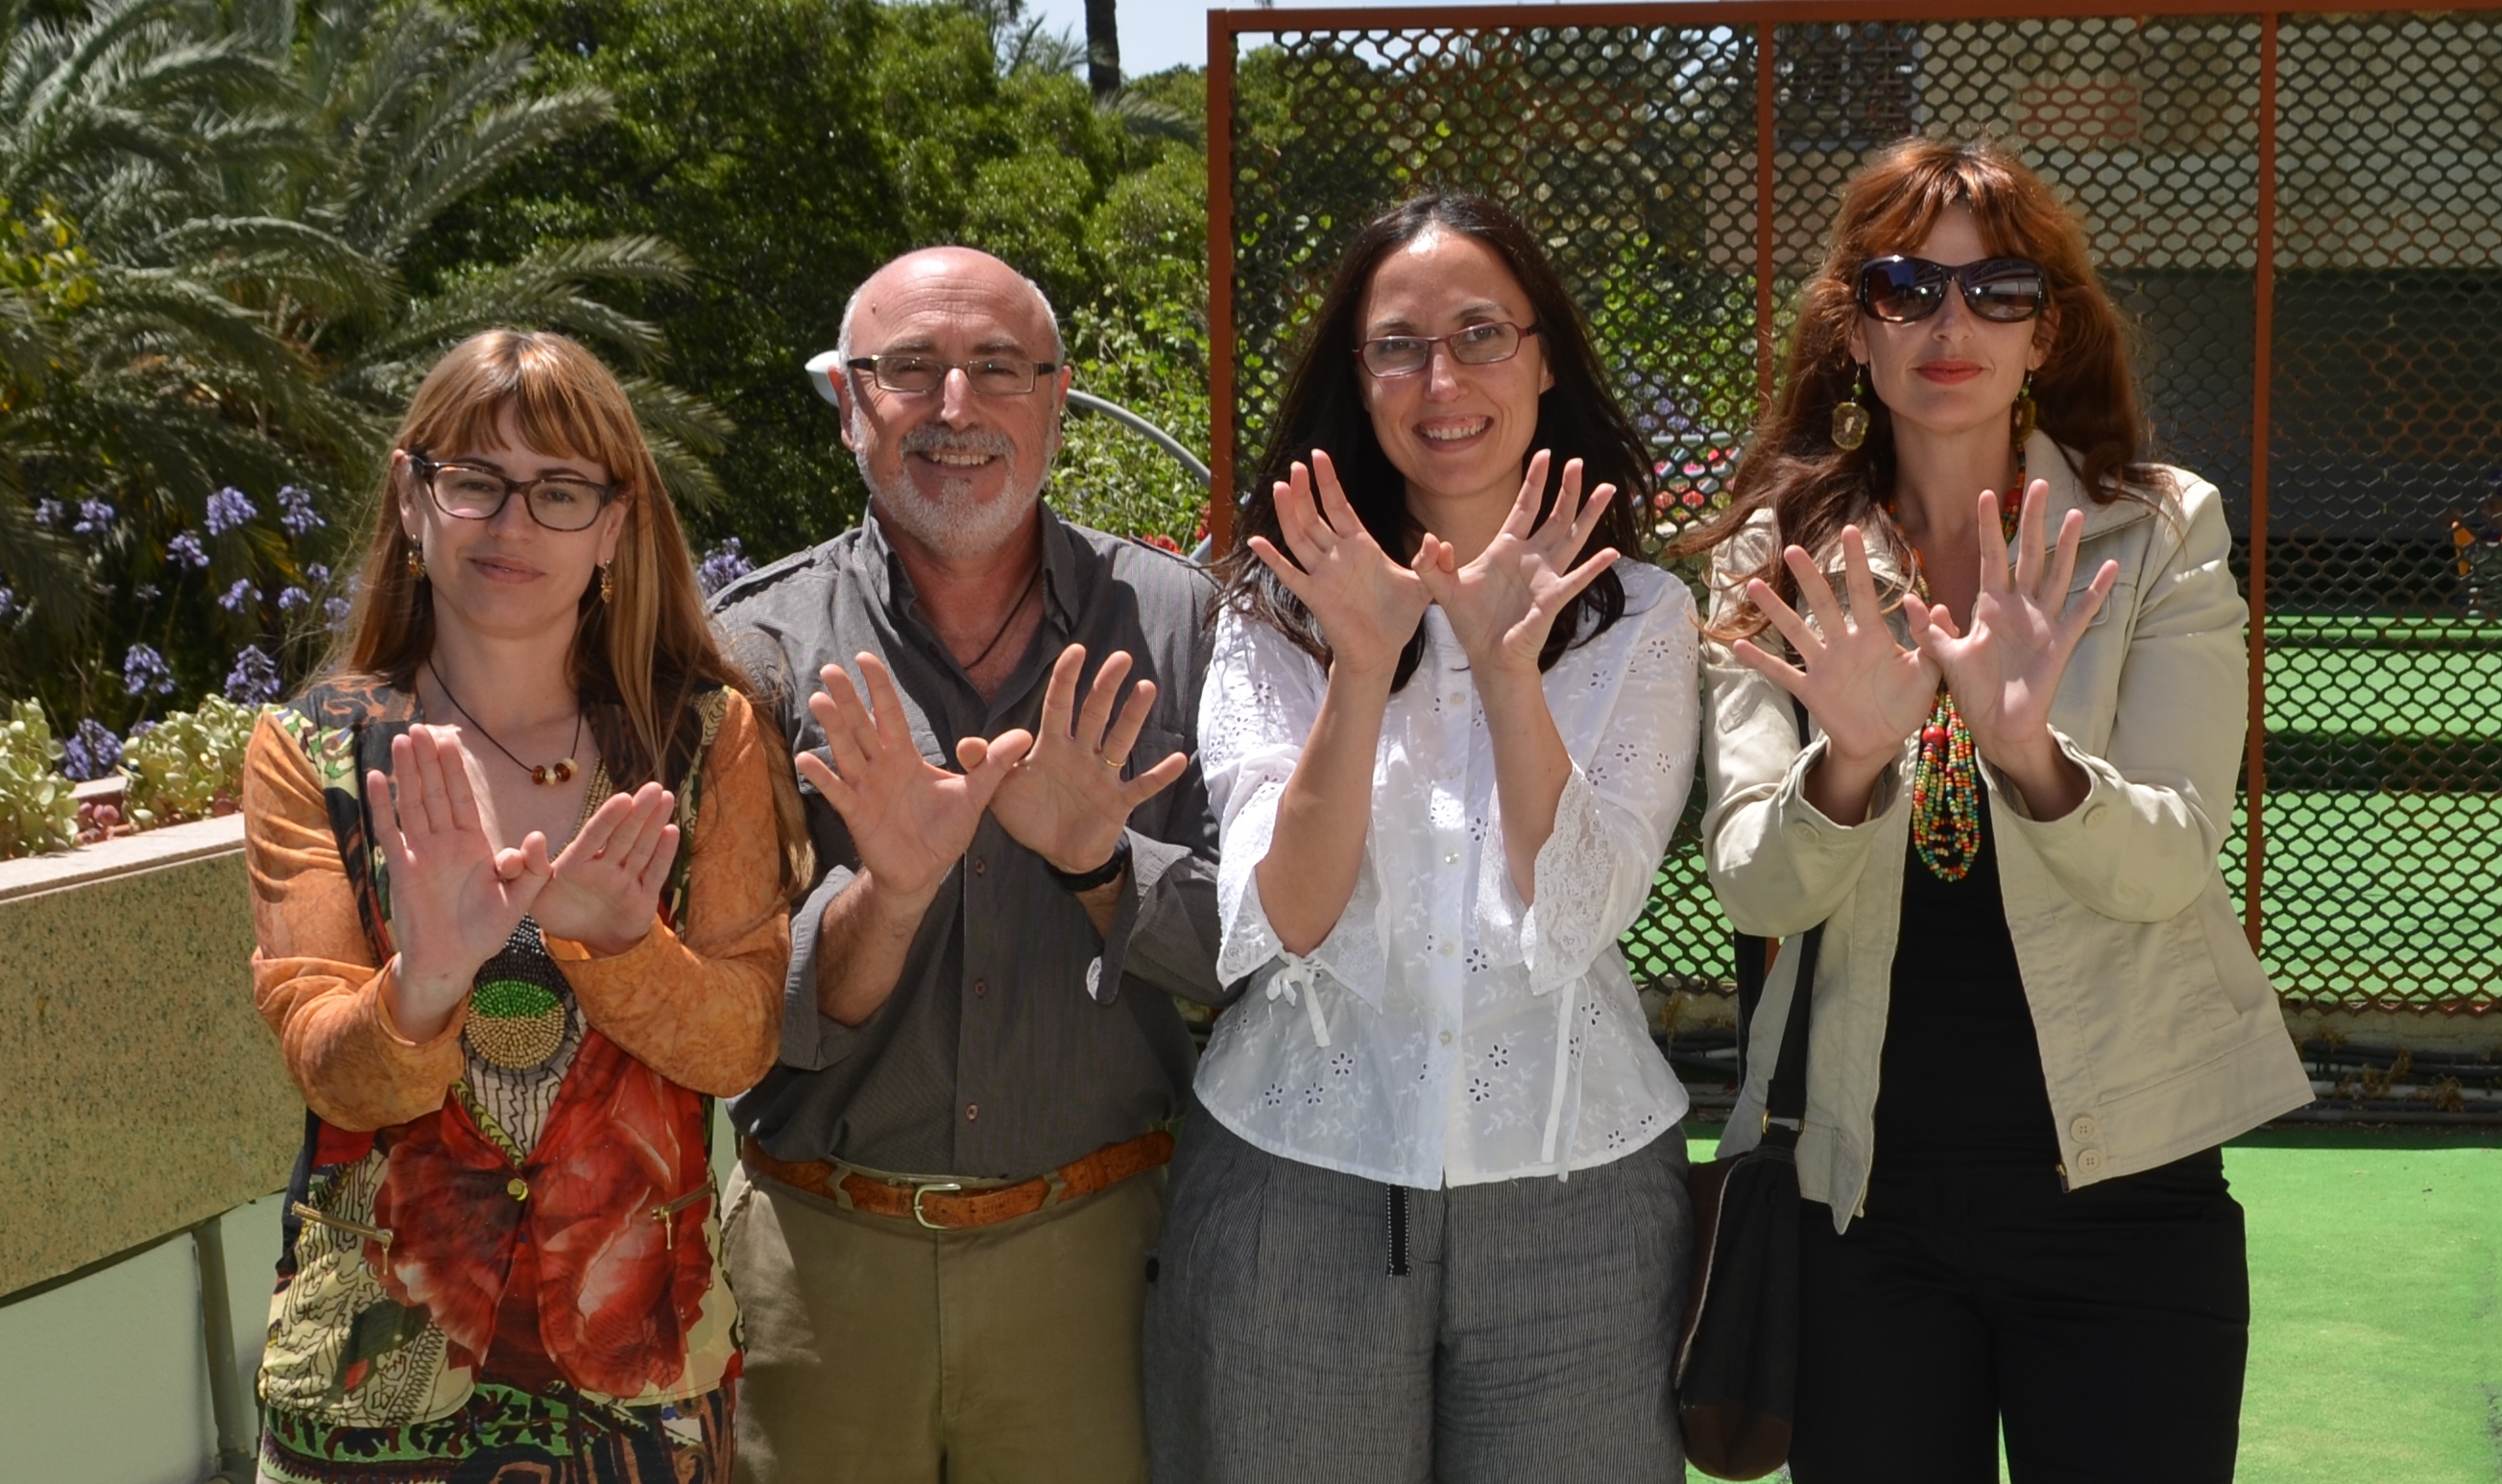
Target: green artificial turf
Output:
[(2375, 1296)]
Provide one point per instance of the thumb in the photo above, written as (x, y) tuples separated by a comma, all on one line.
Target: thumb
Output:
[(972, 752), (1004, 752)]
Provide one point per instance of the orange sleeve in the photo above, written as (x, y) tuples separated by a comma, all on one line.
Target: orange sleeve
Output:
[(314, 976), (703, 1008)]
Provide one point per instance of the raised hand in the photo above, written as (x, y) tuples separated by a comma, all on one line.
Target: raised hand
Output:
[(1066, 801), (454, 896), (1367, 604), (2004, 666), (1502, 604), (1867, 692), (909, 821), (602, 890)]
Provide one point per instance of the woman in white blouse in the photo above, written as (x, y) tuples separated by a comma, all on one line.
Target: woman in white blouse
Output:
[(1430, 1221)]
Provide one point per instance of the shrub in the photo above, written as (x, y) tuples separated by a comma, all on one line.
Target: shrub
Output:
[(38, 806), (190, 765)]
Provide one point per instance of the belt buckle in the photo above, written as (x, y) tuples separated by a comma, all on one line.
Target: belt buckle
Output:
[(934, 1188)]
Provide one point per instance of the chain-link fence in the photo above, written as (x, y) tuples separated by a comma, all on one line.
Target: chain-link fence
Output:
[(2314, 194)]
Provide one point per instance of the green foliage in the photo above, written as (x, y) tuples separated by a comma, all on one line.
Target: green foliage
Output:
[(189, 764), (38, 808)]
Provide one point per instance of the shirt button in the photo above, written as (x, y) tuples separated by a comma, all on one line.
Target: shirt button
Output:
[(1448, 948), (2089, 1161), (981, 989), (2084, 1130), (2094, 816), (972, 1110), (1446, 1038), (981, 867), (1459, 698), (1801, 830), (1450, 858)]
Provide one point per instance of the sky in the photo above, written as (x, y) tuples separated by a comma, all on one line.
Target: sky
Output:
[(1157, 34)]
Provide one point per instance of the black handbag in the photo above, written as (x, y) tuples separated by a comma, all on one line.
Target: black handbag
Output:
[(1736, 1355)]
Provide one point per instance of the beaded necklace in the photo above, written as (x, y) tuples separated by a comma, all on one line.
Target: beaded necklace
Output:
[(1945, 781)]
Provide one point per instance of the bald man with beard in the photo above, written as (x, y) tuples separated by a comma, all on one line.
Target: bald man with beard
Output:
[(949, 1188)]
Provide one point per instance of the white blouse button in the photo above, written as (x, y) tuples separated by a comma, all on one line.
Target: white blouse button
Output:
[(1448, 948), (1446, 1038), (1450, 858)]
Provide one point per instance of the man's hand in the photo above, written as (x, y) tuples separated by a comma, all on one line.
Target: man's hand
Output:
[(1066, 801), (909, 821)]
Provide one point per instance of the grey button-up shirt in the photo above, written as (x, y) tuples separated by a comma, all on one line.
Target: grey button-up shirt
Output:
[(1017, 1039)]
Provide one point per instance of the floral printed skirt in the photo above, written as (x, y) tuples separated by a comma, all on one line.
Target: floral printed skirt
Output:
[(506, 1436)]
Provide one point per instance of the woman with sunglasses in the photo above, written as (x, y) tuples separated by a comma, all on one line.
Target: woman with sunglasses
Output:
[(2035, 1014), (1447, 730), (520, 863)]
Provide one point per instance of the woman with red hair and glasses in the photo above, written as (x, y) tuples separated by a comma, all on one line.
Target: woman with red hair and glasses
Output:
[(2019, 651)]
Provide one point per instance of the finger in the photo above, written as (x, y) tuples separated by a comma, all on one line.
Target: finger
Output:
[(1132, 720), (1097, 718), (1287, 573), (836, 792), (845, 723), (1592, 513), (2080, 613), (652, 829), (1343, 522), (1155, 780), (1582, 576), (650, 807), (1771, 667), (1858, 576), (970, 750), (459, 796), (1993, 546), (597, 833), (1059, 697), (1523, 518), (1939, 620), (886, 703), (535, 855), (2063, 559), (1784, 618), (1818, 592), (1567, 511), (1006, 751), (425, 757), (654, 869)]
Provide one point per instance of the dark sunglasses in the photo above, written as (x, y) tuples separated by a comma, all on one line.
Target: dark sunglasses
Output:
[(1901, 289)]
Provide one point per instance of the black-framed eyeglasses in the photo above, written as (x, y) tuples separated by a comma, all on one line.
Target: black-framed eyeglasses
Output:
[(912, 372), (468, 492), (2006, 290), (1479, 345)]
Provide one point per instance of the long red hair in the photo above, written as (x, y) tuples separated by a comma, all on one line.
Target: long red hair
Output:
[(2085, 393)]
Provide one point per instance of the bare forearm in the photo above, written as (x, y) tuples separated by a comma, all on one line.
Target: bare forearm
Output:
[(1308, 875), (1841, 788), (2050, 784), (862, 943), (1531, 767)]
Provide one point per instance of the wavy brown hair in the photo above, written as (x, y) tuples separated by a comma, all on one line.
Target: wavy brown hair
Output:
[(2086, 393), (1323, 408), (649, 649)]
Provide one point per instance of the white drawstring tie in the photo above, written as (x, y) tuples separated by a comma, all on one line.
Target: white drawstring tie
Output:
[(1298, 975)]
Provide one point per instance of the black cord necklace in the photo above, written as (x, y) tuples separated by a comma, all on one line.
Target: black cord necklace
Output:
[(1014, 609), (545, 775)]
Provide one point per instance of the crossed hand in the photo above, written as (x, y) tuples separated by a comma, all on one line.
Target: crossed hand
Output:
[(456, 895), (1869, 693), (1061, 794), (1502, 604)]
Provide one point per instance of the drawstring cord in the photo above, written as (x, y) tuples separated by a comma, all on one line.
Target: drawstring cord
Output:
[(1298, 975)]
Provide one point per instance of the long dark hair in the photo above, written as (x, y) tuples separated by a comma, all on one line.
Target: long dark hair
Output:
[(2086, 393), (1323, 408)]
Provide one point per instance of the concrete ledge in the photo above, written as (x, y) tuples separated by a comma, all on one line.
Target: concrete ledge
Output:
[(141, 1093)]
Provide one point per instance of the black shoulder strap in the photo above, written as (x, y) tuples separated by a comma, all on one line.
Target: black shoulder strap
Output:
[(1786, 1099)]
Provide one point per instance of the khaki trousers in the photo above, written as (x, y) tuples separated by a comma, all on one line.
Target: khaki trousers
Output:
[(878, 1350)]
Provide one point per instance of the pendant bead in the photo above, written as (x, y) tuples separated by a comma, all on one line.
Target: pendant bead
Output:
[(548, 775)]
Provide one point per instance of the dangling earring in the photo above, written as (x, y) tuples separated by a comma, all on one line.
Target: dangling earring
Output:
[(607, 584), (2022, 430), (415, 563), (1850, 416)]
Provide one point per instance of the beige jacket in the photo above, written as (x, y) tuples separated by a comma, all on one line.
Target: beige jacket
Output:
[(2160, 1034)]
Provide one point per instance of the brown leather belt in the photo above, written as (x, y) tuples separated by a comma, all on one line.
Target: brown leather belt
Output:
[(945, 1205)]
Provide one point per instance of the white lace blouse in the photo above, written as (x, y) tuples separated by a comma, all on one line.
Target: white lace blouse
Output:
[(1445, 1033)]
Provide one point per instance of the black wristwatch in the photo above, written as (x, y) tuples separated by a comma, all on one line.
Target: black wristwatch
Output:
[(1087, 881)]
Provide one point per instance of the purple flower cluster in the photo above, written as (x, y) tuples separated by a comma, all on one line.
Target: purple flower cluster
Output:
[(186, 549), (92, 752), (254, 680), (336, 609), (47, 513), (290, 599), (295, 511), (317, 574), (8, 601), (229, 508), (95, 518), (722, 565), (144, 671), (240, 596)]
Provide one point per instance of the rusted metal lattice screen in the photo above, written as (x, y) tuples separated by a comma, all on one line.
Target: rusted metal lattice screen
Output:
[(2318, 194)]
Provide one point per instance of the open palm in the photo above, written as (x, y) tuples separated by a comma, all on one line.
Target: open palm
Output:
[(1866, 690), (454, 896), (2004, 667), (909, 820), (1367, 604), (1503, 604)]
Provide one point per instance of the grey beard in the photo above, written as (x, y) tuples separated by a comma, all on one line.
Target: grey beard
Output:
[(954, 523)]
